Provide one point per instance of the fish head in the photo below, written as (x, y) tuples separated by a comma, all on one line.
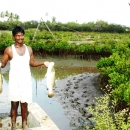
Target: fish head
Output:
[(51, 95), (51, 63)]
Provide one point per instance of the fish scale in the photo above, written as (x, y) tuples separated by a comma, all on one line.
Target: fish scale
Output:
[(50, 82)]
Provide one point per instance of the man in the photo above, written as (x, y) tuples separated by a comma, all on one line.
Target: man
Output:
[(20, 86)]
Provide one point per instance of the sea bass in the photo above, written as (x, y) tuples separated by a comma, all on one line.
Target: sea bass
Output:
[(0, 81), (50, 79)]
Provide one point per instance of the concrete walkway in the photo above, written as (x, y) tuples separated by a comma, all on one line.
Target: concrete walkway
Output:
[(37, 120)]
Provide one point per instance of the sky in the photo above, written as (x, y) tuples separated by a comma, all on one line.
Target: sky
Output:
[(80, 11)]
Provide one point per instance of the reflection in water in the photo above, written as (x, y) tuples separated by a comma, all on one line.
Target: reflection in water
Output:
[(36, 87), (63, 68), (40, 92), (38, 73), (61, 72)]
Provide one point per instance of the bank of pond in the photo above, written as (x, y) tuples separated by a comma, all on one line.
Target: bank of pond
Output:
[(111, 50)]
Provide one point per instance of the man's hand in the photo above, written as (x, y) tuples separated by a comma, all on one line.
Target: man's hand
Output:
[(0, 64), (46, 63)]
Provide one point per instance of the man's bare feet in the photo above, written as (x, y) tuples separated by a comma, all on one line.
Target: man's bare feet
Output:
[(25, 128), (13, 124)]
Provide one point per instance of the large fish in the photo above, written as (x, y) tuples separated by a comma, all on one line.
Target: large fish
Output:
[(0, 81), (50, 79)]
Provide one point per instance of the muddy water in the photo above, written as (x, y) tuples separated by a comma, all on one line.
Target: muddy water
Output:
[(52, 106)]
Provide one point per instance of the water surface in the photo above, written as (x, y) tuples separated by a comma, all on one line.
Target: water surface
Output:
[(63, 68)]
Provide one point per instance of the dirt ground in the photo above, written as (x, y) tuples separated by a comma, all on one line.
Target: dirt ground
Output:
[(76, 93)]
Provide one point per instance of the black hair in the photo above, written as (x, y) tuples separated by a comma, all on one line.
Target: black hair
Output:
[(17, 29)]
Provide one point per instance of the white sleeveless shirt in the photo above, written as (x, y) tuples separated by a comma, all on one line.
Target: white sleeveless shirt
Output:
[(20, 84)]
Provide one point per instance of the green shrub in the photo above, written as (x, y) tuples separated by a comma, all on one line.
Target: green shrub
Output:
[(105, 117)]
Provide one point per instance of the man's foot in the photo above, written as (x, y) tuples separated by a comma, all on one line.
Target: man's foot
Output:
[(13, 128), (26, 128)]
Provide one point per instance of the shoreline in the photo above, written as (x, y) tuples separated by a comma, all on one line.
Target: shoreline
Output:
[(75, 94)]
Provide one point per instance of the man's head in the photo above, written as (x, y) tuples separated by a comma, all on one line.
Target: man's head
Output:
[(17, 29), (18, 34)]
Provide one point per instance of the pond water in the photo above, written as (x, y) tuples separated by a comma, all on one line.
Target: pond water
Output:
[(63, 68)]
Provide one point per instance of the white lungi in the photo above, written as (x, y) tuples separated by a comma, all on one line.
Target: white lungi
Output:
[(20, 84)]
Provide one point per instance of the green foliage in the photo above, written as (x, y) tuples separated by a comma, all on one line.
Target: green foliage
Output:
[(86, 44), (5, 40), (37, 45), (116, 69), (105, 117), (98, 26), (9, 16)]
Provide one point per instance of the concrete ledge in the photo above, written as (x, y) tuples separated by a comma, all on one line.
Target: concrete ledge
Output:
[(39, 119)]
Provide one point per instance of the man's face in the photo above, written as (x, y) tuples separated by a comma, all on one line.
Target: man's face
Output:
[(19, 38)]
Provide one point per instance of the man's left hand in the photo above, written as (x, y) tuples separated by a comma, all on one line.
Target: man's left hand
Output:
[(46, 63)]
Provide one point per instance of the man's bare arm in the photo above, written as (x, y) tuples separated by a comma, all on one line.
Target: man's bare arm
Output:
[(5, 57), (34, 63)]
